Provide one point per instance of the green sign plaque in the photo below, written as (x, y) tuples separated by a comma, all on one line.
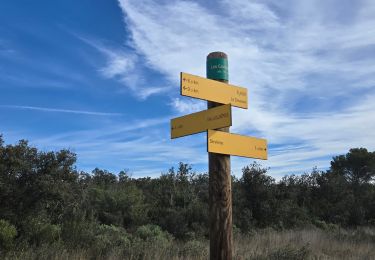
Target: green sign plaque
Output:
[(217, 68)]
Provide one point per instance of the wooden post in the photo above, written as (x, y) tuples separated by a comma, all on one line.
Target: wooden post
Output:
[(220, 190)]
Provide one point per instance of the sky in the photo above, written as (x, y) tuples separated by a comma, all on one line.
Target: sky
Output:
[(101, 78)]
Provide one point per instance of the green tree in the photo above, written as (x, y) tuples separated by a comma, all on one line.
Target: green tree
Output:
[(357, 166), (257, 189)]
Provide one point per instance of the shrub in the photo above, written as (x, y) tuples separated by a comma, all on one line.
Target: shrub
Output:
[(109, 238), (320, 224), (154, 235), (7, 234), (50, 233), (79, 233), (323, 225), (39, 231)]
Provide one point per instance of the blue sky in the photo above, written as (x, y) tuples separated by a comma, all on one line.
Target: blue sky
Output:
[(102, 78)]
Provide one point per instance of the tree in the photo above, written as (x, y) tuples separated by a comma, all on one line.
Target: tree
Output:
[(103, 177), (357, 166), (257, 188)]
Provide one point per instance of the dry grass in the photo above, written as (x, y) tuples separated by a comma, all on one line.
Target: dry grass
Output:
[(307, 244), (261, 244)]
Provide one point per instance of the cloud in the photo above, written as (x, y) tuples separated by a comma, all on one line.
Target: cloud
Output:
[(149, 91), (119, 64), (139, 145), (309, 67), (252, 14), (188, 106), (124, 66), (21, 67), (58, 110)]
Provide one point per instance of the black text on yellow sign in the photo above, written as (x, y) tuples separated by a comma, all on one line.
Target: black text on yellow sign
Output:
[(233, 144), (212, 90), (213, 118)]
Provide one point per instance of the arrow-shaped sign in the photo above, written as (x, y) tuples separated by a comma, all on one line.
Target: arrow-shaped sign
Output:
[(213, 118), (212, 90), (233, 144)]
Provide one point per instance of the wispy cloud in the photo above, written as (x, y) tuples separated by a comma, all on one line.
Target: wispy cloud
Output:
[(58, 110), (139, 145), (309, 67), (124, 66), (36, 71), (188, 106), (252, 14)]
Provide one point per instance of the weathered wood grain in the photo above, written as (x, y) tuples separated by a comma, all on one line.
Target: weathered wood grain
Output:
[(220, 196)]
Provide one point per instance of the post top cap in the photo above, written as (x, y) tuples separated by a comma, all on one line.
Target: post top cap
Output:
[(217, 54)]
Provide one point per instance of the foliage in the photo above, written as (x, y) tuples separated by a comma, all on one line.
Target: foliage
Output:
[(152, 233), (108, 238), (46, 202), (194, 248), (263, 244), (7, 234)]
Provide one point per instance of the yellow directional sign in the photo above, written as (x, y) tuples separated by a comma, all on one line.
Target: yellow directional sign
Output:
[(212, 90), (213, 118), (233, 144)]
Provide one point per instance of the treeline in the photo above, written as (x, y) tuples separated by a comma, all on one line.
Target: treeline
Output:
[(44, 199)]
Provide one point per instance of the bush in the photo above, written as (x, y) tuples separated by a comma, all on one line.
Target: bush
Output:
[(79, 233), (323, 225), (39, 231), (320, 224), (50, 233), (7, 234), (109, 238), (154, 235)]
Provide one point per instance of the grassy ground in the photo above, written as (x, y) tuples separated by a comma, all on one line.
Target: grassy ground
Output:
[(307, 244), (262, 244)]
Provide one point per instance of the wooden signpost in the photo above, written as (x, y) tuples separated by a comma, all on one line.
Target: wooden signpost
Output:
[(220, 143)]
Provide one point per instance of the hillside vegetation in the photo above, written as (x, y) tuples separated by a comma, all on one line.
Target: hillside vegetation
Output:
[(50, 210)]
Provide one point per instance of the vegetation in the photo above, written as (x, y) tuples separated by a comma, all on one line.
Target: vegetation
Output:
[(49, 209)]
